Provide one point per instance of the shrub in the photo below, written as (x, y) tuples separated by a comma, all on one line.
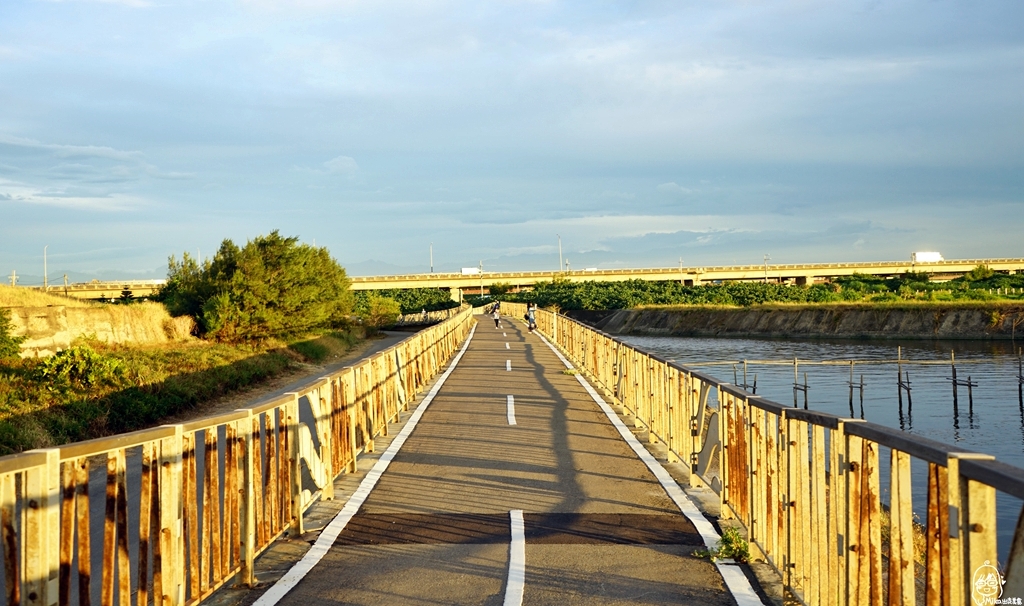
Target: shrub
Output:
[(380, 312), (271, 287), (81, 366), (10, 345), (411, 300), (981, 272)]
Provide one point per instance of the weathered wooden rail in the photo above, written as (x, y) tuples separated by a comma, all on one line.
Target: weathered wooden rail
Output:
[(182, 509), (807, 486)]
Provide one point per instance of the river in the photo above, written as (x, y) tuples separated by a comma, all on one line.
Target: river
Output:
[(993, 425)]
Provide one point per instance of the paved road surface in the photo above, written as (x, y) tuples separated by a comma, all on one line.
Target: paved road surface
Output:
[(598, 527)]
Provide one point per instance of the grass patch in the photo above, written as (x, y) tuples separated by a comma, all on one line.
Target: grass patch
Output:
[(17, 296), (570, 371), (94, 390), (323, 348), (732, 545)]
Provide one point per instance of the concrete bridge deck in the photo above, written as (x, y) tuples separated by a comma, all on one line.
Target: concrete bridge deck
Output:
[(509, 431)]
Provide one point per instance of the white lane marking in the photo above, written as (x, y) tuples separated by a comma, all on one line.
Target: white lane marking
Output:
[(734, 578), (331, 531), (516, 560), (504, 335), (511, 405), (508, 364), (507, 347)]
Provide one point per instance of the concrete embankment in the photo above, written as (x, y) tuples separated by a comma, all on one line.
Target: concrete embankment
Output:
[(815, 322), (50, 329)]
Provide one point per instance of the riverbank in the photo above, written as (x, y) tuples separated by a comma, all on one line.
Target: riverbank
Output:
[(912, 321)]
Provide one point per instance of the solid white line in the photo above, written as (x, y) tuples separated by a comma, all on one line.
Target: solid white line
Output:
[(507, 347), (331, 531), (508, 364), (516, 560), (734, 578), (511, 406)]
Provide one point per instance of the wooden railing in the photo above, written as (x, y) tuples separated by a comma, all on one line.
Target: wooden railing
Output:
[(167, 515), (807, 486)]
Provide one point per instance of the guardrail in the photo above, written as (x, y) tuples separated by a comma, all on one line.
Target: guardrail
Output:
[(807, 486), (167, 515), (951, 265)]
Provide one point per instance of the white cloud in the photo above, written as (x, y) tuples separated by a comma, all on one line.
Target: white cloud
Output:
[(674, 188), (342, 165), (13, 193)]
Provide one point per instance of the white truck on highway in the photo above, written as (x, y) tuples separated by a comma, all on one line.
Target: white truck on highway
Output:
[(925, 257)]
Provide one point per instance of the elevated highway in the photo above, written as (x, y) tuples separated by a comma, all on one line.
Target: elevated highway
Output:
[(801, 273)]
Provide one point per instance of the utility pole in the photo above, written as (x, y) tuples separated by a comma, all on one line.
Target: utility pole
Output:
[(14, 278), (767, 258), (567, 266), (481, 277), (681, 281), (44, 268), (431, 257), (559, 252), (65, 285)]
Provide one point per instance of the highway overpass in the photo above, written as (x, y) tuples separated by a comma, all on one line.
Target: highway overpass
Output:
[(801, 273)]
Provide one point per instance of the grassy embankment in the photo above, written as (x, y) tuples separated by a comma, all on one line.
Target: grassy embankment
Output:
[(93, 389)]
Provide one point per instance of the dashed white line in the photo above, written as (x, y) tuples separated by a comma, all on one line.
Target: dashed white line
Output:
[(331, 531), (504, 335), (734, 578), (507, 347), (516, 560), (508, 364), (511, 412)]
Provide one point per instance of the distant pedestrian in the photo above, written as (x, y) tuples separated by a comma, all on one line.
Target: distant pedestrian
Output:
[(497, 317), (531, 317)]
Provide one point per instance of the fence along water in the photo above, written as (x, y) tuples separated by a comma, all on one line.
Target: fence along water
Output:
[(806, 486), (181, 509)]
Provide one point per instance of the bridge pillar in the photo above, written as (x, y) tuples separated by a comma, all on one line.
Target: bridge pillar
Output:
[(456, 294)]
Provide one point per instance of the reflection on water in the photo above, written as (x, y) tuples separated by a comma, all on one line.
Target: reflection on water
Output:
[(983, 411)]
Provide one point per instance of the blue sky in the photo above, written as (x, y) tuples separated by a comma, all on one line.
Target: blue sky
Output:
[(640, 132)]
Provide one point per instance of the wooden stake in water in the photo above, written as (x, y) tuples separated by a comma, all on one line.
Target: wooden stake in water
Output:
[(1020, 379)]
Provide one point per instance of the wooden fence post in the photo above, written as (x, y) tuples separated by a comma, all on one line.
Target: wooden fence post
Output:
[(40, 538), (322, 415), (247, 501), (291, 420), (972, 511), (172, 543)]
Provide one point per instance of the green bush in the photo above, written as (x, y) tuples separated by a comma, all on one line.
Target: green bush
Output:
[(80, 366), (10, 345), (271, 287), (411, 300), (379, 312)]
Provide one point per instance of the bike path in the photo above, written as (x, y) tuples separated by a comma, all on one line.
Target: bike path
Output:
[(597, 526)]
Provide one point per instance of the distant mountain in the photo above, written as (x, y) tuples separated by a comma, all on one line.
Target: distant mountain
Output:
[(56, 277), (372, 267)]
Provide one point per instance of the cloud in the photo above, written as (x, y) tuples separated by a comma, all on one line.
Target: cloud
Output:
[(342, 165), (674, 188)]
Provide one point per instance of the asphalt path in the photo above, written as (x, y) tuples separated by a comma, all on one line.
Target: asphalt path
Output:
[(596, 526)]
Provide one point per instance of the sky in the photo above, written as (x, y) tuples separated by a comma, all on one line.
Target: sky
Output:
[(638, 133)]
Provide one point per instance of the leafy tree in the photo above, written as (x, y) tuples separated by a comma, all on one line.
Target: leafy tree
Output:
[(411, 300), (499, 288), (380, 311), (981, 272), (273, 286), (10, 345)]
